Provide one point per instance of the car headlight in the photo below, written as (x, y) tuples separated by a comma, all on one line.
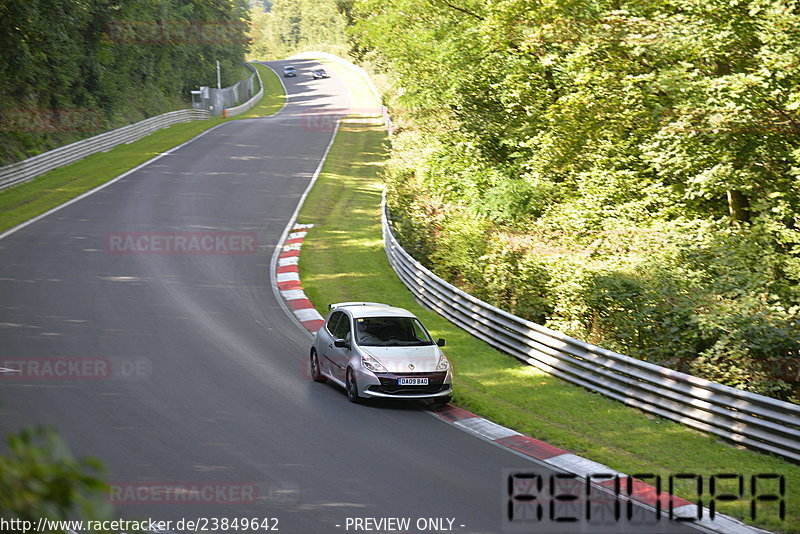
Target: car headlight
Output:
[(443, 364), (372, 364)]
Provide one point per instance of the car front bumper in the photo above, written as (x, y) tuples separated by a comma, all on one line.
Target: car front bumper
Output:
[(380, 395), (385, 386)]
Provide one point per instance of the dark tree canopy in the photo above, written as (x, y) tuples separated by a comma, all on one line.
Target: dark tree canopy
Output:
[(75, 67)]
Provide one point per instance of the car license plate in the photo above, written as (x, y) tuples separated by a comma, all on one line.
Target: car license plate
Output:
[(412, 381)]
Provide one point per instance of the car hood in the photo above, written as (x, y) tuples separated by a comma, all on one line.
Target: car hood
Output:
[(401, 359)]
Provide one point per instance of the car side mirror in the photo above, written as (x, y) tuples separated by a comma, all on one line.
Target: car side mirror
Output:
[(341, 343), (440, 342)]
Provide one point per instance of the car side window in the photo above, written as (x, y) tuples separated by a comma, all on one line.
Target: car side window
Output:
[(333, 322), (343, 328)]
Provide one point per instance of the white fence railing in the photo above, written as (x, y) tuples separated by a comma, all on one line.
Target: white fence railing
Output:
[(30, 168), (746, 418)]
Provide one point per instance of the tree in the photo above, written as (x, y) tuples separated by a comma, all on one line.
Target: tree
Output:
[(605, 147), (296, 25)]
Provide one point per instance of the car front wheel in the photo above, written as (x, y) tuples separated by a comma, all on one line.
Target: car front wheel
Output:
[(316, 374), (352, 387)]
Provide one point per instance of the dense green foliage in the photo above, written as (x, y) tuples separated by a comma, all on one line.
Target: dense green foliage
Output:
[(40, 479), (625, 172), (73, 68), (292, 26)]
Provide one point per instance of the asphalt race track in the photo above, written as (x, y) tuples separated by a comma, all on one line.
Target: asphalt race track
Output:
[(189, 374)]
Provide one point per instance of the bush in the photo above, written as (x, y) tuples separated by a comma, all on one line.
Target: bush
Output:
[(513, 280), (708, 298), (39, 478), (754, 345), (460, 247)]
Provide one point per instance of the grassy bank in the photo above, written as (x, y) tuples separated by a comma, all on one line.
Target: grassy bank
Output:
[(343, 259), (24, 201), (274, 97)]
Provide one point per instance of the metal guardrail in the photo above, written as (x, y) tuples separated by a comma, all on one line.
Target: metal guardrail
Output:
[(231, 112), (222, 101), (745, 418), (27, 169)]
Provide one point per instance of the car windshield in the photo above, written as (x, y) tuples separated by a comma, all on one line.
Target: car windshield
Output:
[(391, 332)]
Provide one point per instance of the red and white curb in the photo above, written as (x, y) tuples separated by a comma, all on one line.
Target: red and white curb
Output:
[(286, 281), (567, 462), (287, 277)]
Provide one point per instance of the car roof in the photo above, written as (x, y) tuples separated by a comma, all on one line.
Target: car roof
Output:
[(372, 309)]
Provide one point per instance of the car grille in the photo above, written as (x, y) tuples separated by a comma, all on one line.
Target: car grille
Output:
[(389, 383)]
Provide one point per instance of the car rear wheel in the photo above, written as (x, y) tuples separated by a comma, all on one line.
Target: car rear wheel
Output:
[(316, 374), (352, 387)]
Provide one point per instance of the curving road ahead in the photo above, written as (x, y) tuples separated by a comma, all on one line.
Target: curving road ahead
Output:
[(208, 388)]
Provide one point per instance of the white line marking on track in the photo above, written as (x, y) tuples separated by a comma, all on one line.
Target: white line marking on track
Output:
[(108, 183), (273, 264)]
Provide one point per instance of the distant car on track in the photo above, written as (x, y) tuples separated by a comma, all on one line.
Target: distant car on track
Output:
[(319, 73), (289, 71), (375, 350)]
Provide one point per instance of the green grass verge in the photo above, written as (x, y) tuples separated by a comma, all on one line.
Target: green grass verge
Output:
[(274, 97), (24, 201), (343, 259)]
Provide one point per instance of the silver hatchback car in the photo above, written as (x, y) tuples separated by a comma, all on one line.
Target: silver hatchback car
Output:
[(378, 351)]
